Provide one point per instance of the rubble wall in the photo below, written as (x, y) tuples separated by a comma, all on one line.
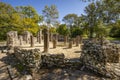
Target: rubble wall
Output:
[(35, 59), (95, 56), (30, 58)]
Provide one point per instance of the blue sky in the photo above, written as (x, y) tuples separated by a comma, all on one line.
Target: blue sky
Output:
[(64, 6)]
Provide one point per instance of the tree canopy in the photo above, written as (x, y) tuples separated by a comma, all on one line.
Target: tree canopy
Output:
[(18, 19), (50, 14)]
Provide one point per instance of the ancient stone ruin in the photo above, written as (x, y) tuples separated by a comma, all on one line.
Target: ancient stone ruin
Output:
[(12, 39), (94, 56), (26, 37)]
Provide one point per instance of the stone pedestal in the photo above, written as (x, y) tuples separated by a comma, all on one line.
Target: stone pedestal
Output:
[(77, 41), (26, 36), (46, 40), (51, 37), (32, 44), (21, 39), (54, 43), (80, 40), (73, 39), (65, 40), (12, 39), (70, 43), (39, 37)]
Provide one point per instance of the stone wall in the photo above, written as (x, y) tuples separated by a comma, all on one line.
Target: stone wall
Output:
[(52, 60), (29, 58), (95, 56), (35, 59), (113, 52)]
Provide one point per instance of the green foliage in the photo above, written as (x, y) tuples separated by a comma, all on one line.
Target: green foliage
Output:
[(18, 19), (115, 31), (75, 31), (51, 14), (52, 29), (101, 30), (70, 19), (106, 11), (63, 30)]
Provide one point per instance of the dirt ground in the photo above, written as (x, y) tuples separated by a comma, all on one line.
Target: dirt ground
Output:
[(51, 74)]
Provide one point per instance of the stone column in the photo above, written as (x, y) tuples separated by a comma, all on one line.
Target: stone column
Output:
[(80, 39), (54, 43), (77, 41), (39, 36), (32, 44), (12, 39), (51, 36), (26, 36), (46, 40), (65, 40), (70, 43), (73, 39), (21, 39)]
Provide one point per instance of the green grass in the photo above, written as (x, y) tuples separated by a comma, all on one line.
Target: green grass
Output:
[(111, 38)]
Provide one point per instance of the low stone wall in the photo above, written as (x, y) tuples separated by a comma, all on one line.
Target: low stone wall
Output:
[(95, 56), (30, 58), (113, 52), (52, 60), (35, 59)]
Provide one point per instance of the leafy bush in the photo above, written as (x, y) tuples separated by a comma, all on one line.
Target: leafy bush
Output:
[(76, 31)]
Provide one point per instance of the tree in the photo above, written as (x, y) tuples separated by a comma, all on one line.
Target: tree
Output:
[(62, 30), (52, 30), (30, 18), (101, 30), (70, 19), (111, 10), (115, 31), (76, 31), (6, 12), (50, 14), (91, 17), (105, 11)]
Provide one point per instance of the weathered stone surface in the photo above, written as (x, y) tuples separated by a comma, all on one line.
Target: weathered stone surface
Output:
[(65, 40), (113, 52), (77, 41), (55, 36), (54, 43), (52, 60), (73, 39), (51, 36), (32, 42), (46, 40), (30, 58), (81, 39), (26, 36), (20, 39), (70, 43), (12, 39), (39, 36), (95, 56)]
